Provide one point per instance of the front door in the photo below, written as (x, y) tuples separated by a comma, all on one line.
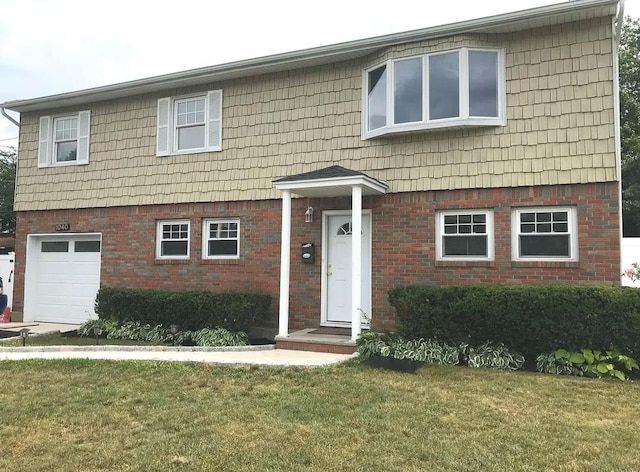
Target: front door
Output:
[(338, 268)]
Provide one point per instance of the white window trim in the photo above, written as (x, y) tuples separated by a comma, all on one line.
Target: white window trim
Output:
[(572, 220), (440, 233), (47, 142), (159, 239), (425, 124), (166, 138), (205, 237)]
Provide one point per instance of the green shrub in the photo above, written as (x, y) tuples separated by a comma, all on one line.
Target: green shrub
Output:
[(530, 319), (136, 331), (218, 337), (188, 310), (87, 328), (587, 362), (492, 356)]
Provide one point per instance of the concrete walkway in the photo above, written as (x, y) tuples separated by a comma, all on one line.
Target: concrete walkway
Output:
[(245, 355)]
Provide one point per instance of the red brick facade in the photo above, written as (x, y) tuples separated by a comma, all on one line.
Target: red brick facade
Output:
[(403, 244)]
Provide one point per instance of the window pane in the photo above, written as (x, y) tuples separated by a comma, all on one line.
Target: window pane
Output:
[(223, 248), (450, 219), (173, 248), (408, 91), (528, 217), (560, 216), (544, 246), (54, 246), (67, 151), (543, 228), (191, 137), (464, 245), (483, 83), (444, 80), (87, 246), (377, 103)]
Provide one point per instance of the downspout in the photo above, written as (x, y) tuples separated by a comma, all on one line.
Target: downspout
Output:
[(617, 31), (15, 184), (8, 117)]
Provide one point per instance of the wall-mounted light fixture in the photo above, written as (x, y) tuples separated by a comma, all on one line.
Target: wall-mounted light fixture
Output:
[(308, 215)]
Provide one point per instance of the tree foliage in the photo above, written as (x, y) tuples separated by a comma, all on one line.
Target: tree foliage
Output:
[(629, 64), (7, 190)]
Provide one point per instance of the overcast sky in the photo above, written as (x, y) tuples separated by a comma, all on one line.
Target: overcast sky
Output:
[(55, 46)]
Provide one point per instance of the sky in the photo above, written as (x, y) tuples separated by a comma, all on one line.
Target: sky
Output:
[(56, 46)]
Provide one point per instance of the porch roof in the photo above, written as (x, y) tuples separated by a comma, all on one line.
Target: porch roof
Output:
[(333, 181)]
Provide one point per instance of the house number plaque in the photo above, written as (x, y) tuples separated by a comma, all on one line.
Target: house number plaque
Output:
[(63, 227)]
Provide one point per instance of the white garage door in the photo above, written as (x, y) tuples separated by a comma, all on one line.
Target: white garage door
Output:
[(64, 277)]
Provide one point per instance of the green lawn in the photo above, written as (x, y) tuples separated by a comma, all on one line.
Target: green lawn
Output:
[(150, 416)]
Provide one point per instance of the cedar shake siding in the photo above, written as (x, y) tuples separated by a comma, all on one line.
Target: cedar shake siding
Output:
[(559, 130)]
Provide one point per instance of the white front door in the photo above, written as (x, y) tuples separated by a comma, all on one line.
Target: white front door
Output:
[(338, 268)]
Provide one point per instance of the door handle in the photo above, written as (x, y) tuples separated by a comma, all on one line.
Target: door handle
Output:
[(329, 272)]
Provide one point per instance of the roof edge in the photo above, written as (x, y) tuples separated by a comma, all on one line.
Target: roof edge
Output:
[(297, 59)]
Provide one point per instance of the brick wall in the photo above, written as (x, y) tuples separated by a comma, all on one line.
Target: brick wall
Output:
[(403, 244)]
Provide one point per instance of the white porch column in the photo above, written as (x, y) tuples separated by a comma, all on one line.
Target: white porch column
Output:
[(356, 261), (285, 262)]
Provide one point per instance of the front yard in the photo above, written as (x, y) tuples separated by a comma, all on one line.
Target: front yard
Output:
[(96, 415)]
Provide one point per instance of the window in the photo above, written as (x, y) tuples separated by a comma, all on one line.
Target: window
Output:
[(189, 124), (64, 140), (221, 239), (54, 246), (464, 87), (465, 235), (544, 234), (173, 239), (87, 246)]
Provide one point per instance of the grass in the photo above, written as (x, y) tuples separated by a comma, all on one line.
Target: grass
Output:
[(94, 415)]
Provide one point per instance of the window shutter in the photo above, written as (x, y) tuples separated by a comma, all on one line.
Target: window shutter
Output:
[(214, 122), (44, 139), (83, 137), (163, 136)]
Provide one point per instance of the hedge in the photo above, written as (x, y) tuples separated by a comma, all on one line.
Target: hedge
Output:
[(189, 310), (530, 319)]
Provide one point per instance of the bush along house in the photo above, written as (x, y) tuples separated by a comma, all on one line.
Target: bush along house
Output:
[(485, 151)]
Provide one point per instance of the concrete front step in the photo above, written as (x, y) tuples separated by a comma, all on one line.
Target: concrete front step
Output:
[(315, 347), (306, 340)]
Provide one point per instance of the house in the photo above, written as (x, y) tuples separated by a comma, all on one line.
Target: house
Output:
[(485, 151)]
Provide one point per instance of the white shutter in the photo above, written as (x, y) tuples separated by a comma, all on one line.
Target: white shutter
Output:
[(214, 120), (163, 137), (44, 140), (84, 127)]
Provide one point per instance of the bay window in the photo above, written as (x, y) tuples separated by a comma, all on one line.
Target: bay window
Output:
[(464, 87)]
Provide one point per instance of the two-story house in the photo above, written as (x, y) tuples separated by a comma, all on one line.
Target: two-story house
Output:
[(485, 151)]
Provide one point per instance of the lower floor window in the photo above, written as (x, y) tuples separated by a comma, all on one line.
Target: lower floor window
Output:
[(221, 239), (173, 239), (465, 234), (544, 233)]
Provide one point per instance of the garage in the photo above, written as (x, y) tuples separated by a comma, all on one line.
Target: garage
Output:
[(62, 277)]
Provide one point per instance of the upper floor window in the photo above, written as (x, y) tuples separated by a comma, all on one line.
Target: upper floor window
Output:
[(189, 124), (548, 233), (64, 140), (453, 88), (172, 239), (465, 235)]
